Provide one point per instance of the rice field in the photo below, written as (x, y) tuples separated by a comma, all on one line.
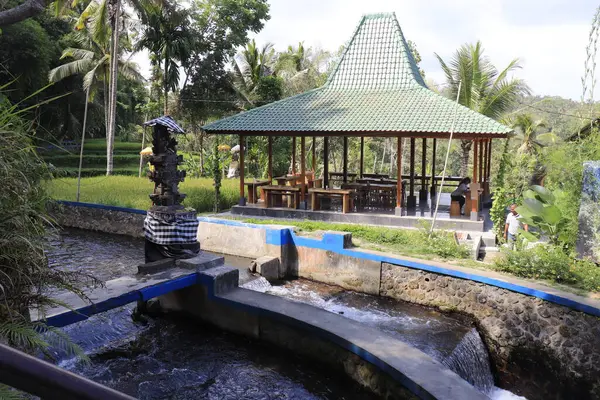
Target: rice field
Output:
[(132, 192)]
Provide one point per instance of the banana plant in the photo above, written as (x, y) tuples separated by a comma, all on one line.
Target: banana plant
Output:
[(540, 211)]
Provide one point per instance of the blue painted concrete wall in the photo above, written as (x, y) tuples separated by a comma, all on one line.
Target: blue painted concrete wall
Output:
[(334, 242)]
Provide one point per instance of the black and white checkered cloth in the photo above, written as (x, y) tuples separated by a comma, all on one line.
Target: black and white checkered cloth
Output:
[(167, 229), (167, 122)]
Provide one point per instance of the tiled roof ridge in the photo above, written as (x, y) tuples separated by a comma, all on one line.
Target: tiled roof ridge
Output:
[(377, 54)]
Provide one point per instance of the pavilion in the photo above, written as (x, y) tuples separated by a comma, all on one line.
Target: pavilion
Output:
[(376, 90)]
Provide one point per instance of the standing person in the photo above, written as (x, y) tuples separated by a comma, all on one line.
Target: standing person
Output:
[(511, 227), (459, 193)]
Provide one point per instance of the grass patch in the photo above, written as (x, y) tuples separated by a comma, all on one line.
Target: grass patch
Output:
[(409, 242), (132, 192), (100, 144), (92, 160)]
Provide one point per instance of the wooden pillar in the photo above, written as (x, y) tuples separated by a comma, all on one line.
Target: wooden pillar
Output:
[(270, 165), (314, 157), (475, 183), (433, 187), (293, 155), (302, 170), (398, 210), (345, 167), (411, 200), (362, 155), (488, 166), (480, 160), (474, 178), (483, 167), (242, 201), (326, 162), (423, 191)]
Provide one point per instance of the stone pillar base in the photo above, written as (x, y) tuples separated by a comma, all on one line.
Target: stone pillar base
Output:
[(242, 201), (157, 252), (411, 201), (423, 194), (474, 216), (398, 211)]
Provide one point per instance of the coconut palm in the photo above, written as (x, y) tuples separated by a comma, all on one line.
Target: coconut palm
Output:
[(92, 60), (484, 88), (528, 131), (105, 18), (167, 35), (302, 68), (249, 66)]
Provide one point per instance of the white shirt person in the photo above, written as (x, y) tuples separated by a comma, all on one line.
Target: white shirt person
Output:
[(512, 225)]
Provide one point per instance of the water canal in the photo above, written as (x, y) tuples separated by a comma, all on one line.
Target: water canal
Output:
[(178, 359)]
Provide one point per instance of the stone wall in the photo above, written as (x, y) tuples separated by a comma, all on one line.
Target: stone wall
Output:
[(98, 219), (540, 350)]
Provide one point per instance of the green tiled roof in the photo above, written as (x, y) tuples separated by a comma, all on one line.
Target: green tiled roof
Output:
[(375, 89)]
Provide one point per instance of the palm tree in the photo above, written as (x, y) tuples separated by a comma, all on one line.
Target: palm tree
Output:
[(249, 66), (93, 59), (110, 19), (166, 34), (527, 130), (302, 68), (484, 88)]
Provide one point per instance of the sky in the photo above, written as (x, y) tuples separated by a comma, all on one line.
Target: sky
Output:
[(548, 36)]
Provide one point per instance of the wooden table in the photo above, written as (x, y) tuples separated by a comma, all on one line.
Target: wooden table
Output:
[(315, 183), (252, 186), (374, 195), (273, 195), (381, 181), (343, 193), (336, 178), (376, 176), (289, 180)]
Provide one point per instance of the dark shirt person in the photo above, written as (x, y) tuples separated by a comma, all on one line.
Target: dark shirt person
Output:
[(460, 192)]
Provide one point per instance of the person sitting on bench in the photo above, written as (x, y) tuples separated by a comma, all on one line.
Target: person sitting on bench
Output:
[(459, 193)]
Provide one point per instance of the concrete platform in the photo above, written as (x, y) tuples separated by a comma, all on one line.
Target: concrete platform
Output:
[(407, 221), (128, 289)]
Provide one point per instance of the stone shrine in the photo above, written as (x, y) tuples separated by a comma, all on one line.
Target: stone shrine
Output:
[(170, 228)]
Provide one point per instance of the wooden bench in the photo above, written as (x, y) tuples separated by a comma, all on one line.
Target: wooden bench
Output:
[(270, 192), (454, 208), (330, 193), (252, 186)]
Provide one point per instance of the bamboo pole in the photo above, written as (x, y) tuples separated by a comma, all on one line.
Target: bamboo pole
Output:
[(85, 111)]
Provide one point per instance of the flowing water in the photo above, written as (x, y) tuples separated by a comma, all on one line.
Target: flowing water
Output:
[(452, 341), (168, 358), (178, 359)]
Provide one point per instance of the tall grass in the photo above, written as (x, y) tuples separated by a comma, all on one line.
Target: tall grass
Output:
[(132, 192), (25, 276)]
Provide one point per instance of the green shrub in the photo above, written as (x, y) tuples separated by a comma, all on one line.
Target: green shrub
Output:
[(498, 211), (551, 263)]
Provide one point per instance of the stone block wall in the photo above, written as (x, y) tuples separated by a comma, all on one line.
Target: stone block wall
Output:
[(540, 349), (99, 219)]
